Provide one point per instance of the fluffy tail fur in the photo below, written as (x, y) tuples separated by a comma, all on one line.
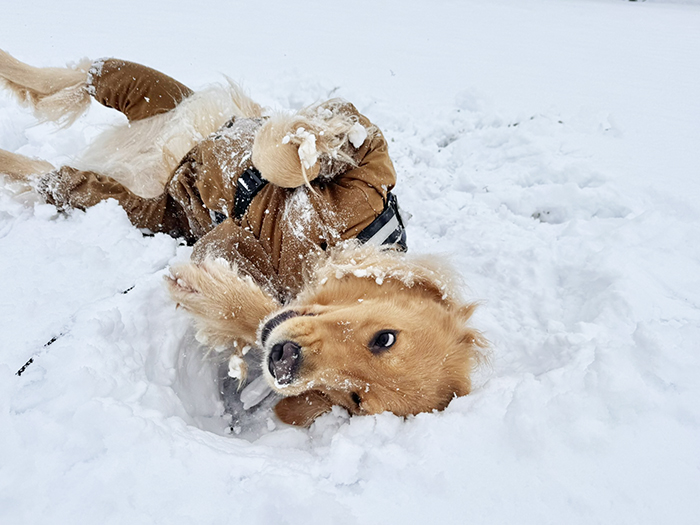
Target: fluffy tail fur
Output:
[(56, 94)]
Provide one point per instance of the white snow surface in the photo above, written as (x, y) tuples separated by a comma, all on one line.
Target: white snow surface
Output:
[(549, 148)]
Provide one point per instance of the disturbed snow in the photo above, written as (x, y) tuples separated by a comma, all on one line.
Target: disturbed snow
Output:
[(577, 228)]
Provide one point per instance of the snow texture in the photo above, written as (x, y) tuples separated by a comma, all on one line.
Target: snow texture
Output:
[(548, 148), (357, 135), (308, 154)]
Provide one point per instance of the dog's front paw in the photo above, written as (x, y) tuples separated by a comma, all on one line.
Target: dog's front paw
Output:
[(196, 287), (227, 306)]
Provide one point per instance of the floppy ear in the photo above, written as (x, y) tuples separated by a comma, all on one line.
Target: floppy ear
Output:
[(471, 336), (301, 410), (473, 348), (226, 305)]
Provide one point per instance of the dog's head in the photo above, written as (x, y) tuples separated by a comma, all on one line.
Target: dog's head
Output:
[(372, 332)]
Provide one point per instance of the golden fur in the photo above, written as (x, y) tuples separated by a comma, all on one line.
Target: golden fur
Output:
[(21, 168), (287, 147), (351, 295), (283, 167), (141, 155), (55, 93)]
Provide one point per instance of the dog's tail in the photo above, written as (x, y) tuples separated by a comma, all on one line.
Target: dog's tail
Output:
[(57, 94), (20, 168)]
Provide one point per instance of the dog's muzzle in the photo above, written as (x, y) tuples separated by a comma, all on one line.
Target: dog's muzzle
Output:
[(283, 357), (283, 361), (273, 323)]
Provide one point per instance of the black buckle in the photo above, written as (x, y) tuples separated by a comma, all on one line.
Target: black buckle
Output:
[(249, 184)]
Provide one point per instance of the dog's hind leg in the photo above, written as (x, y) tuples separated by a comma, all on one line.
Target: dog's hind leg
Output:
[(56, 94), (20, 168)]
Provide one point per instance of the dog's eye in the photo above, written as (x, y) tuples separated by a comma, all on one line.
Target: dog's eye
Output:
[(383, 340), (356, 398)]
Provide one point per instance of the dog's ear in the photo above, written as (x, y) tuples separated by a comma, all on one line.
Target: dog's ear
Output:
[(301, 410), (472, 350), (227, 306)]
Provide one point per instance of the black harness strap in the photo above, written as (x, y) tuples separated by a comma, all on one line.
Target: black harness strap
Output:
[(387, 228), (249, 184)]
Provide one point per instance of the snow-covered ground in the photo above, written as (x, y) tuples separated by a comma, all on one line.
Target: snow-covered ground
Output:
[(550, 148)]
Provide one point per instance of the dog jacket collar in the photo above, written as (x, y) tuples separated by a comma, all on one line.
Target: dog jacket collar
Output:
[(388, 228)]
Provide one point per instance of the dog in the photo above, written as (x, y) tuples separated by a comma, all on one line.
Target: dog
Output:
[(298, 242)]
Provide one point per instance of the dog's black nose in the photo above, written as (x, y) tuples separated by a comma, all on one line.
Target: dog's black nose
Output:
[(283, 361)]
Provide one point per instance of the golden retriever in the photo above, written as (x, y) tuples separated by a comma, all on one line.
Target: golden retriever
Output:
[(372, 329)]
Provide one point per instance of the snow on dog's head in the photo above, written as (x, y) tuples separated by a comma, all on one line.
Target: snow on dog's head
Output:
[(373, 331)]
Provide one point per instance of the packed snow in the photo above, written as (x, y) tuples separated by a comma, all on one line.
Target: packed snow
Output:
[(548, 148)]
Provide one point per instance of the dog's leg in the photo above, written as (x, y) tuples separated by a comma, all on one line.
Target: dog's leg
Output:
[(227, 306), (54, 93), (39, 81), (20, 168)]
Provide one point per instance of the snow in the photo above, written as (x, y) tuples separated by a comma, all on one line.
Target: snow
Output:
[(308, 154), (357, 135), (255, 392), (548, 148), (236, 367)]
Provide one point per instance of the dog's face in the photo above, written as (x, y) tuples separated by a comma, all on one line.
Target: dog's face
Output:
[(368, 347), (372, 331)]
